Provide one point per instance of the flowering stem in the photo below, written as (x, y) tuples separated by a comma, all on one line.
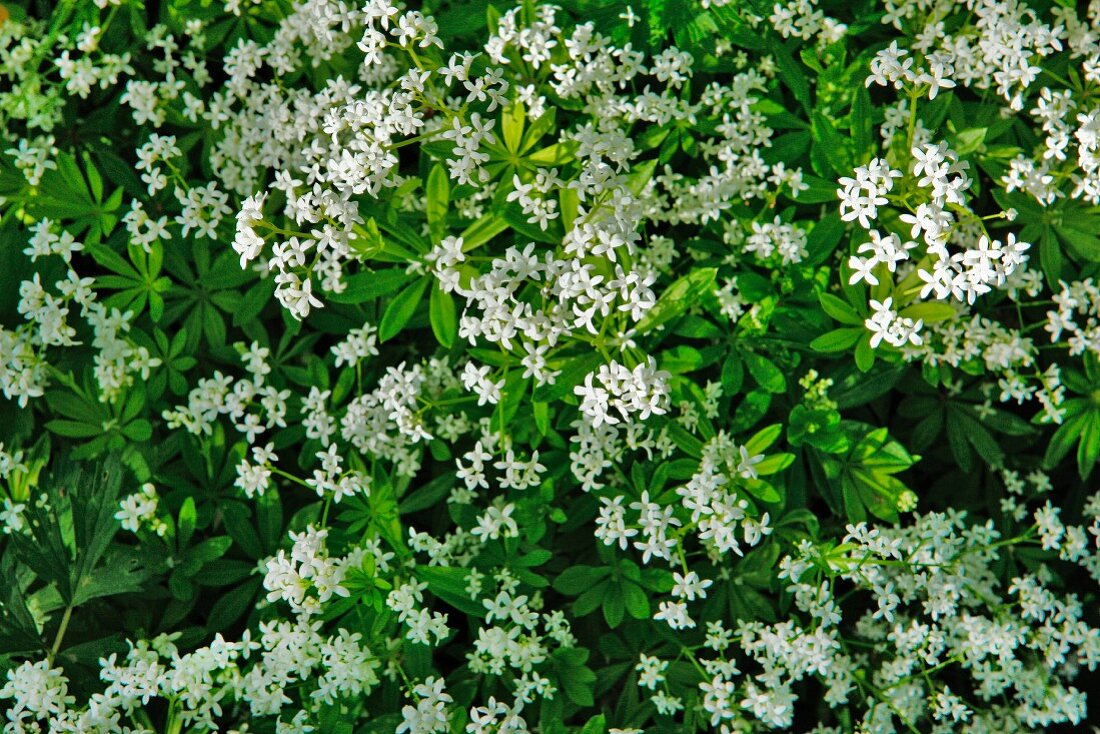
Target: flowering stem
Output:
[(291, 477), (60, 632), (417, 139)]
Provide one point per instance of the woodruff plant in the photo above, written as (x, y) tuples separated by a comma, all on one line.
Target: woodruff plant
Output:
[(577, 367)]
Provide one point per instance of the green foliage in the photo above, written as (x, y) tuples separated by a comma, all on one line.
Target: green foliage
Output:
[(646, 304)]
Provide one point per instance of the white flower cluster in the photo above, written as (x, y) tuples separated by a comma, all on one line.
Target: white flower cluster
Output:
[(256, 672), (803, 19), (139, 510), (999, 48), (254, 405), (720, 519), (307, 569), (977, 268), (937, 610), (777, 237), (894, 66), (1078, 316), (286, 656), (634, 394), (24, 372), (885, 324), (35, 102)]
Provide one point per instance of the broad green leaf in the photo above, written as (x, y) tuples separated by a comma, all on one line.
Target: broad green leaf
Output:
[(830, 146), (401, 309), (367, 286), (678, 298), (571, 375), (541, 414), (929, 312), (483, 230), (185, 525), (764, 438), (439, 198), (596, 725), (449, 584), (865, 355), (838, 340), (774, 464), (429, 495), (512, 122), (839, 309), (862, 132), (765, 372), (444, 319), (558, 154), (762, 490), (790, 72)]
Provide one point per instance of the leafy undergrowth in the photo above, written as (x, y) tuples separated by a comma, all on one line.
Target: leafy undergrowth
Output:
[(583, 368)]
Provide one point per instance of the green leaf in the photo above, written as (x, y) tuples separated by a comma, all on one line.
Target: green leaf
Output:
[(429, 495), (790, 72), (590, 599), (862, 133), (596, 725), (1089, 447), (830, 146), (837, 340), (439, 198), (818, 191), (512, 122), (688, 443), (185, 525), (862, 476), (614, 609), (1085, 244), (208, 550), (231, 605), (253, 302), (73, 429), (367, 240), (449, 584), (636, 600), (733, 374), (751, 409), (839, 309), (81, 501), (774, 464), (571, 375), (764, 438), (1051, 259), (865, 355), (678, 298), (763, 491), (537, 129), (483, 230), (541, 414), (558, 154), (139, 430), (764, 371), (1063, 439), (362, 287), (577, 579), (120, 573), (401, 309), (929, 312), (444, 320)]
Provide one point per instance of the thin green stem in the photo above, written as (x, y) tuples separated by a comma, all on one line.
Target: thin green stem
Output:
[(60, 633)]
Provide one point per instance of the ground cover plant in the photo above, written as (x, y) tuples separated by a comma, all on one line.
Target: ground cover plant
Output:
[(585, 367)]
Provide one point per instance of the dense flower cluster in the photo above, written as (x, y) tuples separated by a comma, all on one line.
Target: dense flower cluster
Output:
[(549, 367)]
